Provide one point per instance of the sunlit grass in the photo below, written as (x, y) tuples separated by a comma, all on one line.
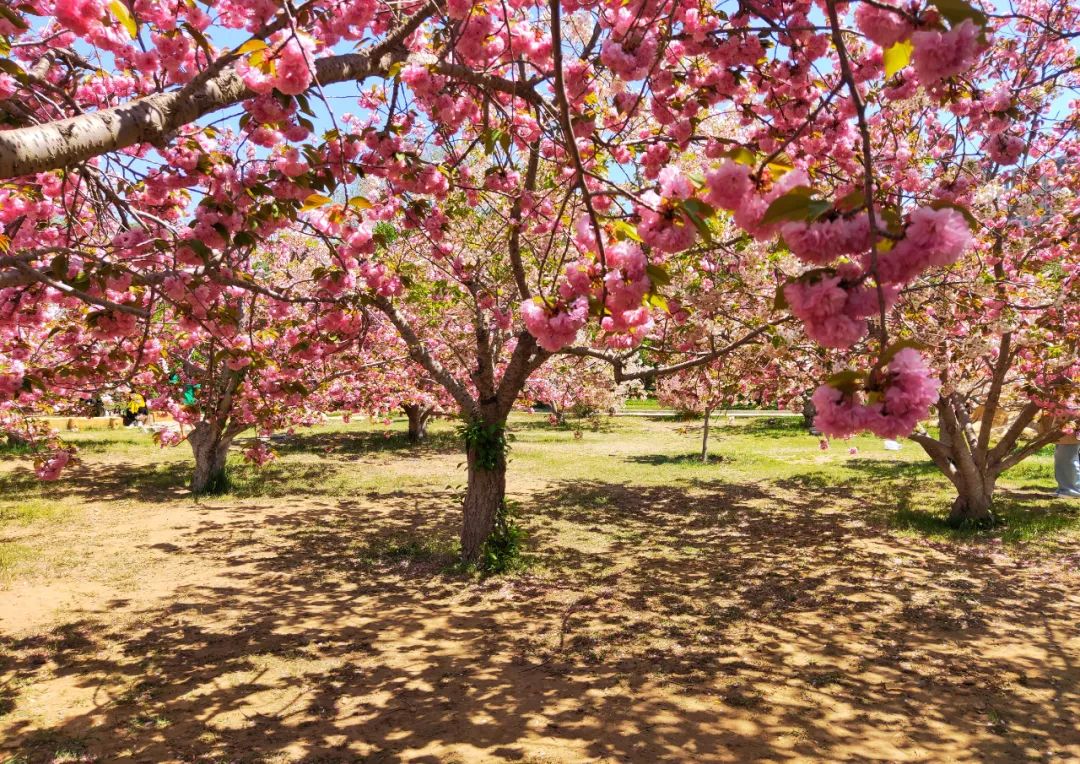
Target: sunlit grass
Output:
[(901, 490)]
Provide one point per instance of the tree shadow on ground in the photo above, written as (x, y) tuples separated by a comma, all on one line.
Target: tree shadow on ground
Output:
[(692, 459), (356, 445), (602, 423), (763, 426), (111, 482), (886, 469), (697, 622)]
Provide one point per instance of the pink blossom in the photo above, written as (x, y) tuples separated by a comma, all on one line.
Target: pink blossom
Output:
[(675, 185), (728, 184), (629, 62), (820, 242), (932, 238), (1003, 148), (823, 307), (909, 392), (554, 328), (939, 55), (51, 466), (80, 16), (260, 454), (167, 438), (663, 227), (884, 27), (294, 62), (12, 380)]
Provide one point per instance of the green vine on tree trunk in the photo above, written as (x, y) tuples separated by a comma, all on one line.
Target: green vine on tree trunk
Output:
[(489, 442), (501, 552)]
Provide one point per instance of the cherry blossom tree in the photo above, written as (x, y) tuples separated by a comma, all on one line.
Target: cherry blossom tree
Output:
[(238, 360), (519, 180), (578, 384), (1003, 332)]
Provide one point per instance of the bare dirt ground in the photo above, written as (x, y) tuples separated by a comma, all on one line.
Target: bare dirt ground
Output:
[(708, 621)]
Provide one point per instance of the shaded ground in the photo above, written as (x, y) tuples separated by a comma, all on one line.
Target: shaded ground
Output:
[(780, 604)]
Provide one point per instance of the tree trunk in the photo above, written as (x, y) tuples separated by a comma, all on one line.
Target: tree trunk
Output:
[(210, 445), (705, 439), (975, 496), (154, 118), (418, 421), (483, 498), (809, 412)]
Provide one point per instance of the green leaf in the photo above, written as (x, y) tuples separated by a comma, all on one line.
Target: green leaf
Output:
[(699, 208), (852, 201), (395, 69), (658, 275), (796, 204), (972, 222), (250, 47), (846, 381), (780, 166), (622, 230), (360, 203), (304, 104), (16, 71), (123, 15), (314, 201), (897, 57), (244, 239), (780, 301), (741, 155), (955, 11), (890, 352), (699, 213), (59, 267), (199, 248)]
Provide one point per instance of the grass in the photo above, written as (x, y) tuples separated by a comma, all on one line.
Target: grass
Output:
[(642, 404), (902, 490)]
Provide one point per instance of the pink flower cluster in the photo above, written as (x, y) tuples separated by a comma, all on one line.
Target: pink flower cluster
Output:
[(626, 284), (285, 66), (663, 226), (1004, 148), (820, 242), (11, 381), (554, 327), (629, 61), (932, 238), (909, 391), (833, 311), (884, 27), (939, 55), (260, 454), (167, 438), (80, 16), (727, 185), (50, 467)]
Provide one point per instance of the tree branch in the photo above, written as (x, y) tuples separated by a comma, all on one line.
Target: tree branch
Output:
[(153, 119)]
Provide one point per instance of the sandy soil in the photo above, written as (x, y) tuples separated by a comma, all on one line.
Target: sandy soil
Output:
[(721, 623)]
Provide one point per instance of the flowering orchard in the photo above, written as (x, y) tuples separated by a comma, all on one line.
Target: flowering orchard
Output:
[(655, 184)]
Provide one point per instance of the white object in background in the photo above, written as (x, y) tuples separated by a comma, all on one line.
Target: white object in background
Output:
[(892, 445)]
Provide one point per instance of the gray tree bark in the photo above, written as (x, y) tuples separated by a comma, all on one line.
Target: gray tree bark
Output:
[(418, 421), (210, 444)]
